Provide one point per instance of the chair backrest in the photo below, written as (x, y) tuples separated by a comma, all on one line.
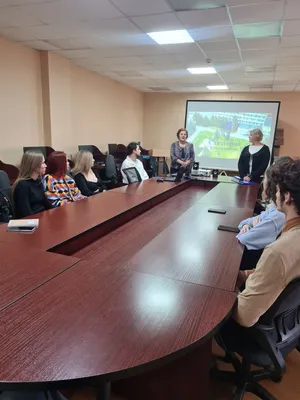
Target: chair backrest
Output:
[(6, 207), (278, 330), (11, 170), (132, 175), (110, 167), (112, 148), (4, 180)]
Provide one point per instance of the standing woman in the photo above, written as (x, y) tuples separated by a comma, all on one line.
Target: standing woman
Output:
[(28, 191), (86, 180), (60, 188), (182, 153), (255, 158)]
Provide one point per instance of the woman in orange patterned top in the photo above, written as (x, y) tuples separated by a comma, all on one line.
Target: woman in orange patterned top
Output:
[(60, 188)]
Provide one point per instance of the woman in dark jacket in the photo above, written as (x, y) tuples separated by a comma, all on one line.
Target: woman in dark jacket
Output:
[(255, 158), (182, 153), (87, 181)]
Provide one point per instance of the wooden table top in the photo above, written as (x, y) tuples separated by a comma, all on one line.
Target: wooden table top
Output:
[(147, 292)]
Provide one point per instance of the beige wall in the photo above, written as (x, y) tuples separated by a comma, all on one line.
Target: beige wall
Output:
[(164, 114), (21, 117), (46, 100), (104, 111)]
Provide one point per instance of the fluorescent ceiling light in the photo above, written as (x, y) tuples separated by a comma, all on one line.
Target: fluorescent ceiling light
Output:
[(171, 37), (206, 70), (217, 87)]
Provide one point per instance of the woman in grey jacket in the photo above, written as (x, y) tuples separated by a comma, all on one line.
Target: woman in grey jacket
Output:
[(182, 153)]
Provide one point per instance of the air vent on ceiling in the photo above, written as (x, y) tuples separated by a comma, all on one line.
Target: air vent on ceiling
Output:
[(188, 5), (130, 74), (266, 69), (263, 86), (159, 89)]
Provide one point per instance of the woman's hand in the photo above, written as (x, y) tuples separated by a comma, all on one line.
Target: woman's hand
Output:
[(180, 162), (245, 228), (246, 179), (256, 221), (188, 162)]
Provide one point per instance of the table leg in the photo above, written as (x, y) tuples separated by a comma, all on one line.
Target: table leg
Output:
[(185, 378)]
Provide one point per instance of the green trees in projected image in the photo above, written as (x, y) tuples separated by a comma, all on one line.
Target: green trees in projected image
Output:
[(216, 121)]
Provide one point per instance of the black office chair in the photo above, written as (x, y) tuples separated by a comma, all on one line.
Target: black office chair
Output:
[(132, 175), (264, 345), (6, 207)]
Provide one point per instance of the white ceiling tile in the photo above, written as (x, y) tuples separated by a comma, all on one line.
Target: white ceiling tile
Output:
[(283, 88), (283, 68), (292, 9), (4, 3), (40, 45), (288, 61), (218, 46), (176, 73), (219, 33), (291, 27), (260, 62), (183, 48), (281, 82), (142, 7), (261, 55), (297, 89), (156, 74), (260, 90), (258, 44), (17, 17), (290, 41), (70, 44), (18, 34), (70, 11), (124, 67), (223, 55), (254, 13), (289, 51), (84, 53), (159, 22), (202, 18)]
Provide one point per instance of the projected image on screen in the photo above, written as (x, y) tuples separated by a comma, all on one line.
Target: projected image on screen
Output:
[(219, 135)]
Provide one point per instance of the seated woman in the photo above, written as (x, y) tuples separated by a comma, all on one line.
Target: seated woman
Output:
[(60, 188), (86, 180), (182, 153), (258, 232), (28, 191)]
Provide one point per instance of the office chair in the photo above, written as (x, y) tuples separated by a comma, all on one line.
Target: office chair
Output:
[(272, 338), (6, 207), (132, 175)]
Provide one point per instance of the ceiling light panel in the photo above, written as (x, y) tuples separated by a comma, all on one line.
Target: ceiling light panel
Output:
[(217, 87), (203, 71), (171, 37)]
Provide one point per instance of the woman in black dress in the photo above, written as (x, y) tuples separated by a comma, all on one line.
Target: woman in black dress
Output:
[(255, 158), (86, 179)]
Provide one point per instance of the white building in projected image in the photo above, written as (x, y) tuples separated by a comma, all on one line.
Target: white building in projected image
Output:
[(245, 120)]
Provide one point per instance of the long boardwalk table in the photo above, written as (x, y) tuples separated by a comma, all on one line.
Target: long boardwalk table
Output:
[(141, 280)]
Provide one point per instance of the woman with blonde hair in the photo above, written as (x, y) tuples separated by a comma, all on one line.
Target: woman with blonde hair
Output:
[(28, 191), (87, 181), (255, 158)]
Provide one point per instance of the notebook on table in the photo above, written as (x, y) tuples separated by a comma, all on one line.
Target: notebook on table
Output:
[(22, 225)]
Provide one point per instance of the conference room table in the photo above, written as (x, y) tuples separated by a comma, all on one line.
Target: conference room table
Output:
[(128, 286)]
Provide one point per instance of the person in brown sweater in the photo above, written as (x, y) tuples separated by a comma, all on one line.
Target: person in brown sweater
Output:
[(279, 263)]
